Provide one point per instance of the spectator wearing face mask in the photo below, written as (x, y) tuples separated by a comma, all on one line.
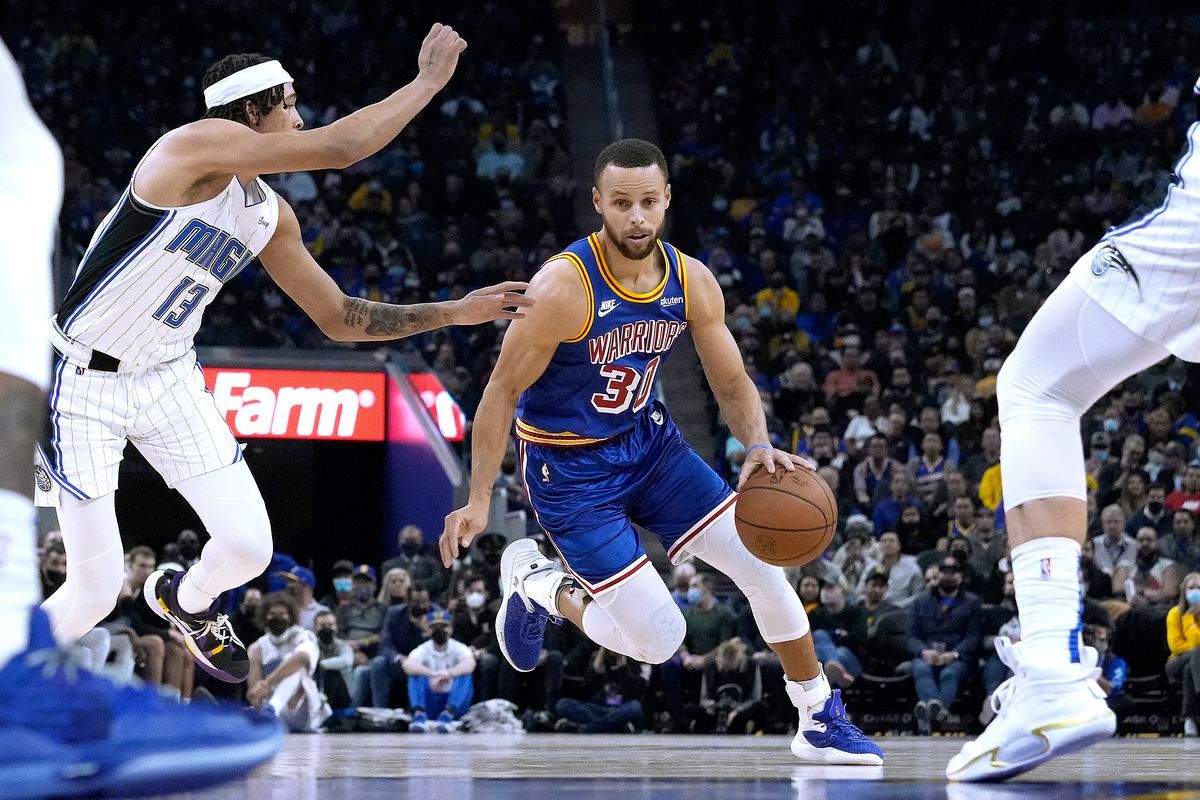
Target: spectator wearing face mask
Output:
[(944, 640), (300, 585), (423, 569), (393, 590), (343, 584), (682, 577), (838, 632), (439, 677), (473, 615), (1183, 637), (1153, 514), (282, 664), (335, 669), (188, 544), (403, 631), (360, 617)]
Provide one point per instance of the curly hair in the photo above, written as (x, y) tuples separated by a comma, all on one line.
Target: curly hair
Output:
[(262, 102), (276, 600)]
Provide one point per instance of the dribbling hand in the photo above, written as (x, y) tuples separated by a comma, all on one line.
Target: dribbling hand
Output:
[(492, 302), (439, 55), (768, 458), (461, 528)]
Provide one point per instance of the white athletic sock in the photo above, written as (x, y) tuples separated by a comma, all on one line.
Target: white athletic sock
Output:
[(1046, 578), (19, 590), (807, 696), (542, 588), (192, 598)]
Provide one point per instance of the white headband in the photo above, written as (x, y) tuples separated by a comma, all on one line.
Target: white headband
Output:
[(246, 82)]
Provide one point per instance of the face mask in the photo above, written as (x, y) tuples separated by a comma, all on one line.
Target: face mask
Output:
[(342, 585), (1101, 455), (325, 635), (1156, 459), (948, 586), (56, 579), (362, 595), (475, 600), (418, 611), (1175, 386), (440, 636), (189, 550), (410, 547), (694, 596), (277, 625), (1154, 508), (1193, 597), (1111, 425)]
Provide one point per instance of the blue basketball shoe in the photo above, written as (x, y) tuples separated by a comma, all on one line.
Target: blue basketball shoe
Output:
[(209, 636), (70, 733), (529, 586), (826, 735)]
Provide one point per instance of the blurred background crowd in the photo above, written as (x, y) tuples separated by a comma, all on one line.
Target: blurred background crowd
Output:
[(885, 212)]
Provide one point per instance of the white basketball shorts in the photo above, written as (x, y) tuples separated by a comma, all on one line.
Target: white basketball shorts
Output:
[(165, 410), (1155, 295)]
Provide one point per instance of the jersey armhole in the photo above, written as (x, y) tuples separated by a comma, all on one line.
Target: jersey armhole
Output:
[(681, 259), (576, 262)]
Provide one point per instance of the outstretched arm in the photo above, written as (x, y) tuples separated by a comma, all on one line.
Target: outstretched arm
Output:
[(352, 319), (736, 394), (528, 346), (210, 148)]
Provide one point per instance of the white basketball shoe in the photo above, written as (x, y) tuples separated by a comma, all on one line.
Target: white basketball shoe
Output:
[(1040, 714)]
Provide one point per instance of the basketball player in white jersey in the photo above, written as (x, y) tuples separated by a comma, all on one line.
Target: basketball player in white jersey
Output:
[(195, 213), (1128, 303), (67, 732)]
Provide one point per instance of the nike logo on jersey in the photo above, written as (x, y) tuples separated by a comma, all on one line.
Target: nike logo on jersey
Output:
[(606, 307), (670, 301), (1109, 257)]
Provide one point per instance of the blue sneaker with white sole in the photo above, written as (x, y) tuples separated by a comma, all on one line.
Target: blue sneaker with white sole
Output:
[(420, 723), (529, 585), (826, 735), (70, 733)]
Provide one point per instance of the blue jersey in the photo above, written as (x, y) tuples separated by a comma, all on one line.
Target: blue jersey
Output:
[(600, 382)]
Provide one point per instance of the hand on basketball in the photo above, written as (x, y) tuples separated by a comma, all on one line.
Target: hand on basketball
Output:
[(768, 458), (439, 55), (492, 302), (462, 526)]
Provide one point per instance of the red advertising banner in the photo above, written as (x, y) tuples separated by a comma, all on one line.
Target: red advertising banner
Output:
[(450, 419), (300, 404)]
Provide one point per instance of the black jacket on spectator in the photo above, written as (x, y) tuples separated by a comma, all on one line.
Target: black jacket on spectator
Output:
[(953, 621), (424, 571), (852, 619), (886, 644), (400, 633)]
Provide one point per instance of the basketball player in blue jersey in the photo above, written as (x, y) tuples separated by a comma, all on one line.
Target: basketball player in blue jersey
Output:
[(194, 214), (599, 453)]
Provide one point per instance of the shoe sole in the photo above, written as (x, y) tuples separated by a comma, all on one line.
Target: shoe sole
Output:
[(506, 568), (150, 595), (826, 756), (923, 719), (1057, 739), (163, 772)]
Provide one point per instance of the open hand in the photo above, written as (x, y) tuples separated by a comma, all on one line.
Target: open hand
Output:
[(492, 302)]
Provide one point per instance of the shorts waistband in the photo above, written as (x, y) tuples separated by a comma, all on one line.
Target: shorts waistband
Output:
[(80, 355)]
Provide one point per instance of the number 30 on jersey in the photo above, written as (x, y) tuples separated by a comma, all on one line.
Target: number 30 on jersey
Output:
[(626, 387)]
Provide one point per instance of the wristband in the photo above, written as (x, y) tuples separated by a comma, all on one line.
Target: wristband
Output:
[(755, 446)]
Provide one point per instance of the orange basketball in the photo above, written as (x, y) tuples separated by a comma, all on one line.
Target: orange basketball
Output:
[(786, 519)]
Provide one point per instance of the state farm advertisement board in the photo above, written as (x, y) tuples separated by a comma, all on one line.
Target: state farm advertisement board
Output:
[(300, 404)]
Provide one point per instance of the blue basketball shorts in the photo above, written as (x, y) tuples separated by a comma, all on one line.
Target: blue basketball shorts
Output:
[(588, 498)]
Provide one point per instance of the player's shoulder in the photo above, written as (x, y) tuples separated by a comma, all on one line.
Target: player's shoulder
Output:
[(560, 274)]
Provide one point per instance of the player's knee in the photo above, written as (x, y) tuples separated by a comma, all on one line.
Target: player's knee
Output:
[(667, 628), (249, 539)]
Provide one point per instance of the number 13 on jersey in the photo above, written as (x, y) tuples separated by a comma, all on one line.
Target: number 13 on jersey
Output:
[(626, 386)]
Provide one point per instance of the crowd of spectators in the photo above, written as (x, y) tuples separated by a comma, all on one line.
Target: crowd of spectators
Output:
[(885, 211), (477, 189)]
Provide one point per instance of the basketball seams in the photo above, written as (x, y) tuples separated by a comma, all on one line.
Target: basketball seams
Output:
[(808, 542)]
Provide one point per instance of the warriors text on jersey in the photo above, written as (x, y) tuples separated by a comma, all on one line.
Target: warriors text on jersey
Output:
[(141, 288), (601, 380)]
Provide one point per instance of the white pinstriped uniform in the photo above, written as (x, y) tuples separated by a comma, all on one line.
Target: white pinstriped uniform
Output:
[(138, 298), (1162, 248)]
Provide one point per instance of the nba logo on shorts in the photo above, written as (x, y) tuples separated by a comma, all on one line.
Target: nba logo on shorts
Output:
[(1046, 569)]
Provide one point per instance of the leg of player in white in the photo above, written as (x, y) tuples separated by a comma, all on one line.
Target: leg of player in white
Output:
[(1072, 353)]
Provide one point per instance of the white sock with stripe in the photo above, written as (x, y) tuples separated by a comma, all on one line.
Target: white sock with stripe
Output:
[(1046, 579)]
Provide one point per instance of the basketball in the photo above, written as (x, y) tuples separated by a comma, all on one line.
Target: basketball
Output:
[(786, 519)]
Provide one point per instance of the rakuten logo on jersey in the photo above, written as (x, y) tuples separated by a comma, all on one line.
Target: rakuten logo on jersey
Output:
[(300, 404)]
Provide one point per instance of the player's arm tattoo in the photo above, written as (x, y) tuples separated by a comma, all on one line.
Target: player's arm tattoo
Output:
[(388, 321)]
